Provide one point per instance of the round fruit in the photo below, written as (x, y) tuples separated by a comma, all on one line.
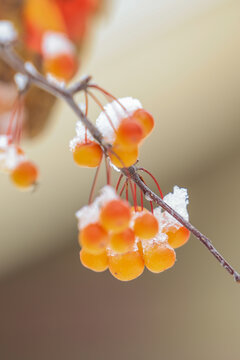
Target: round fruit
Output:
[(158, 257), (146, 226), (94, 238), (122, 242), (144, 119), (177, 237), (88, 154), (115, 215), (93, 262), (126, 267), (25, 175)]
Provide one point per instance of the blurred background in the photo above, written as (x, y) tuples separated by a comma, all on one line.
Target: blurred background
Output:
[(181, 59)]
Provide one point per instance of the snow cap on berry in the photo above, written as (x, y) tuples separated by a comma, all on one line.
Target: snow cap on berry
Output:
[(10, 158), (7, 32), (116, 113), (55, 44), (82, 134), (178, 200), (90, 214)]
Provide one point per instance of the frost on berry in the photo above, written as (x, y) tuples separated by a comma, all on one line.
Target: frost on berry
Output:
[(55, 44), (8, 33), (81, 135), (9, 155), (116, 113), (90, 213), (178, 200)]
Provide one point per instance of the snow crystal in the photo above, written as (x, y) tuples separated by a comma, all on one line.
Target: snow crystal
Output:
[(90, 214), (177, 200), (7, 32), (81, 135), (55, 43), (4, 141), (159, 238), (30, 68), (9, 158), (21, 81), (115, 112)]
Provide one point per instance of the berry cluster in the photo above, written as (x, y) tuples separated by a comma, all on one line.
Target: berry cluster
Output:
[(13, 161), (124, 125), (113, 235)]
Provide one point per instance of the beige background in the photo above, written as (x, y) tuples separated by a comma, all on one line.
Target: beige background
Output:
[(181, 59)]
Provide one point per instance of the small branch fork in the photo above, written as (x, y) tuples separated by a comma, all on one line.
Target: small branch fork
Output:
[(10, 57)]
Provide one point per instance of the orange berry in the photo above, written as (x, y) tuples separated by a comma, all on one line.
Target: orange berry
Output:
[(24, 175), (115, 215), (122, 156), (123, 241), (126, 267), (129, 133), (145, 119), (146, 226), (88, 154), (177, 237), (94, 238), (158, 256), (93, 262), (63, 66)]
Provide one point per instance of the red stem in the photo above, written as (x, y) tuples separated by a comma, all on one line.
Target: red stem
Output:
[(154, 179)]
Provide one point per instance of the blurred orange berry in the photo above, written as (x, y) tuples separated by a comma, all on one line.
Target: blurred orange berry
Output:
[(123, 241), (122, 156), (25, 175), (94, 238), (146, 226), (88, 154), (93, 262), (177, 237), (115, 215), (145, 119), (129, 133), (62, 66), (158, 256), (126, 267)]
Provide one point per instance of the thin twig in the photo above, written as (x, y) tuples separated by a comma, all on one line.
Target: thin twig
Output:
[(67, 94)]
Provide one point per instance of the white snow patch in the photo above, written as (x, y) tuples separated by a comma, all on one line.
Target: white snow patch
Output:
[(116, 113), (9, 158), (7, 32), (178, 201), (21, 81), (81, 135), (30, 68), (90, 214), (55, 44)]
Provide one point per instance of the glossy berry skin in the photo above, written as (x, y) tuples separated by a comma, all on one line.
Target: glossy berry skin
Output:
[(145, 120), (129, 133), (88, 154), (177, 237), (146, 226), (122, 156), (25, 175), (63, 66), (127, 266), (94, 238), (122, 242), (115, 216), (93, 262), (158, 257)]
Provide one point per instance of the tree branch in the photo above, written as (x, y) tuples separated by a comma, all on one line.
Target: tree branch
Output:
[(10, 57)]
